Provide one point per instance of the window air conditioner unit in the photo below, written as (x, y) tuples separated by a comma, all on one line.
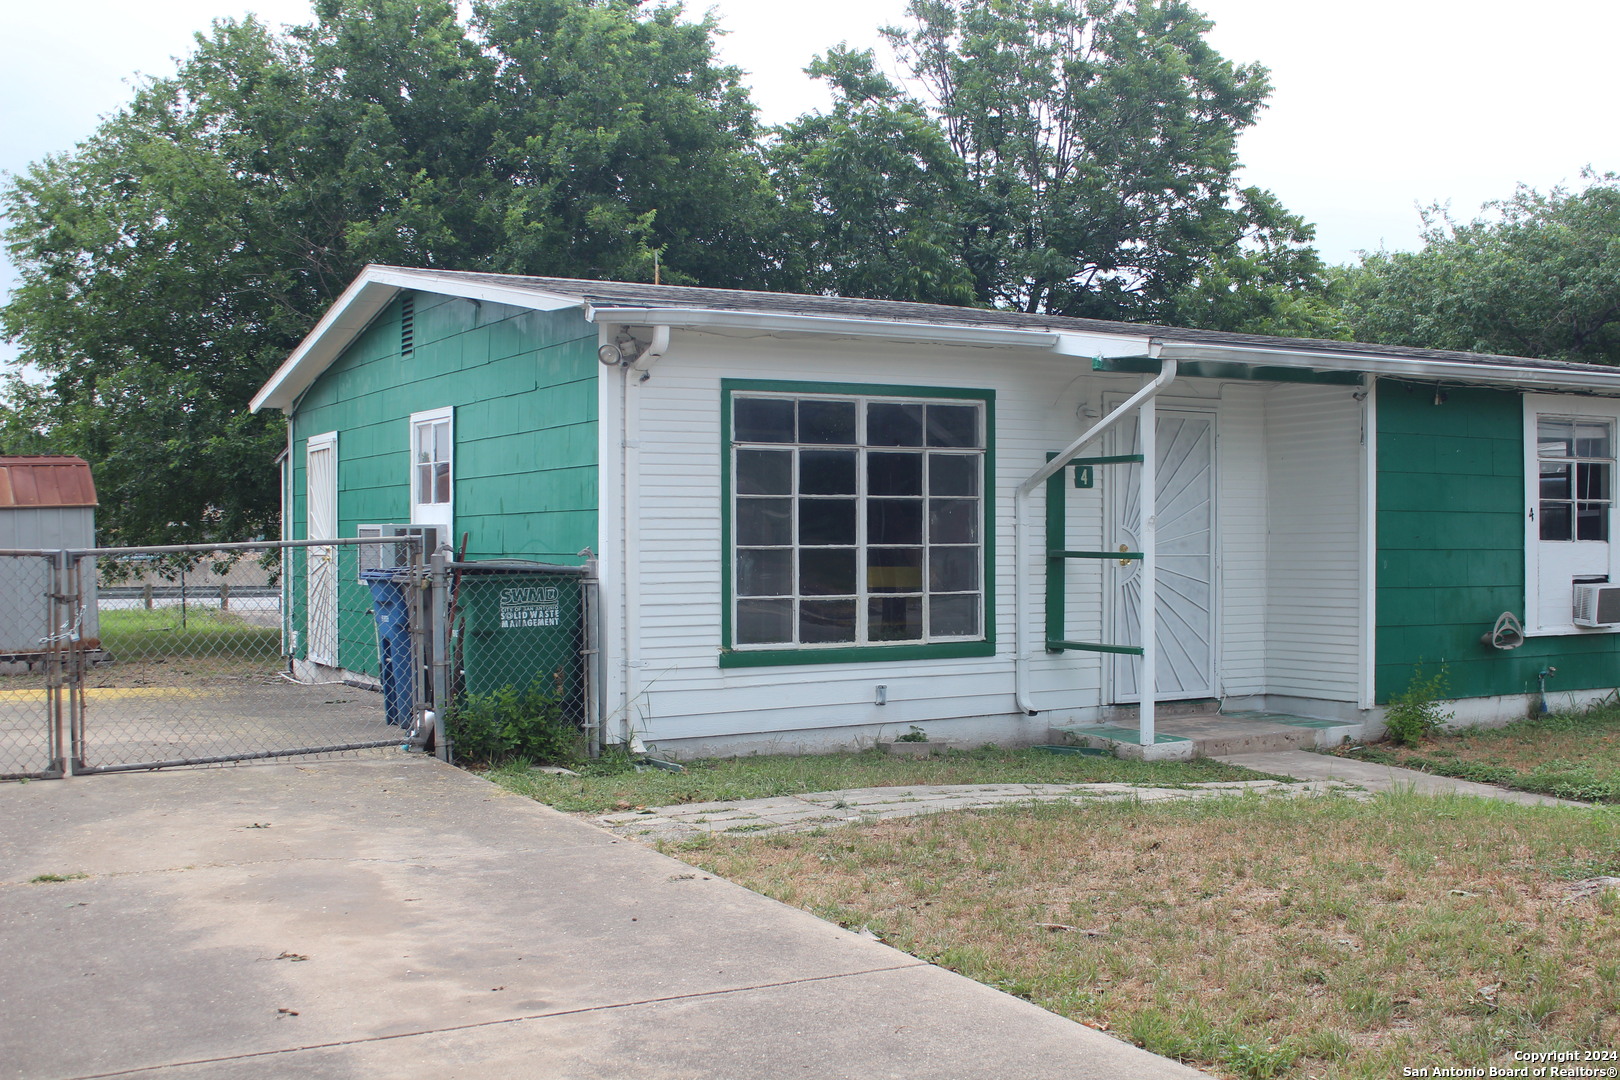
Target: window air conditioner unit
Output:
[(1597, 604), (388, 556)]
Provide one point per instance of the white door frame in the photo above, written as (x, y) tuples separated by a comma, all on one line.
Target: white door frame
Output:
[(1113, 508), (321, 523)]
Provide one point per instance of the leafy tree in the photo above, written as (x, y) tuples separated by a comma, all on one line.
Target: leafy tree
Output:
[(1537, 275), (1095, 153), (872, 192), (621, 136), (170, 262)]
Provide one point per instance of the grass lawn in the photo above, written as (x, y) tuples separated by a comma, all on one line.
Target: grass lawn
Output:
[(1573, 755), (615, 785), (138, 633), (1254, 937)]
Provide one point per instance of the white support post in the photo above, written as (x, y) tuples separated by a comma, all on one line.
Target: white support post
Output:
[(1148, 424)]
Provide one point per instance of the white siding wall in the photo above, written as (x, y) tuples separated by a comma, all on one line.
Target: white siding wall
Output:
[(1314, 611), (671, 685), (1240, 567)]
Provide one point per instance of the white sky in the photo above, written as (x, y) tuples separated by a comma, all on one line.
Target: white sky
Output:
[(1377, 106)]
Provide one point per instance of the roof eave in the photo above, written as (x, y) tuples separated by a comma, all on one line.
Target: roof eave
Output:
[(778, 324), (361, 303), (1456, 371)]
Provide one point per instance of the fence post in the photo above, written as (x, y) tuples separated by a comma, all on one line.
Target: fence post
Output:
[(58, 676), (146, 595), (78, 662), (592, 653), (438, 643), (224, 596)]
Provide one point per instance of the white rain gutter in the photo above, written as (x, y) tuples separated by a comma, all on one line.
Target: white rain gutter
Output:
[(766, 322), (1149, 501)]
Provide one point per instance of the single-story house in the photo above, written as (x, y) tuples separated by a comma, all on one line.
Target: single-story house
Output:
[(820, 521)]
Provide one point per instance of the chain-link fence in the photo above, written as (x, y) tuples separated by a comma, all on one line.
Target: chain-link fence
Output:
[(522, 657), (34, 705), (121, 659)]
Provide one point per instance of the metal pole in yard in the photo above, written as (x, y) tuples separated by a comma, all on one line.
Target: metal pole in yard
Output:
[(439, 648), (1148, 684)]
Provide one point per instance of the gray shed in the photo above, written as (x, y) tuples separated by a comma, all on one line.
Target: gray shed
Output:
[(46, 503)]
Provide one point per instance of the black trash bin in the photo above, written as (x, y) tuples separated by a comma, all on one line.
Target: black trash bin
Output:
[(393, 643)]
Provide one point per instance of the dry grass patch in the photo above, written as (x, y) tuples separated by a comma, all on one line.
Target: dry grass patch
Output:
[(1573, 755), (1258, 937)]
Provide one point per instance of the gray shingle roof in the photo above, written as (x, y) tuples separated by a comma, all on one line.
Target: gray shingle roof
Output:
[(628, 294)]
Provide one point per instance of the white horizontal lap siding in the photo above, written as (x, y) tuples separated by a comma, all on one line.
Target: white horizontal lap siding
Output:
[(682, 691), (1241, 541), (1313, 610)]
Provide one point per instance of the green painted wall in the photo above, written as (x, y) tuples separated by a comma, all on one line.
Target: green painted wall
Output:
[(1451, 548), (523, 384)]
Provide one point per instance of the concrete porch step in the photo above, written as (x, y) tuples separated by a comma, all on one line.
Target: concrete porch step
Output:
[(1209, 734)]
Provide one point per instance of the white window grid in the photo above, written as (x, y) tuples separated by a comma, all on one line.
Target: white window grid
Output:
[(863, 593)]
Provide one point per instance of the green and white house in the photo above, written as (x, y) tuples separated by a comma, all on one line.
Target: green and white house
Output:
[(820, 520)]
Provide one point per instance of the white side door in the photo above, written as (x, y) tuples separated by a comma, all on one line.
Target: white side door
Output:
[(320, 510), (1186, 565)]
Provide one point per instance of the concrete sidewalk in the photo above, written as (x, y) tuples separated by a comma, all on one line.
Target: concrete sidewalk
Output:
[(826, 809), (394, 917), (1374, 777)]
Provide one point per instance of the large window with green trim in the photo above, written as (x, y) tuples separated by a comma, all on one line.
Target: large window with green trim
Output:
[(856, 518)]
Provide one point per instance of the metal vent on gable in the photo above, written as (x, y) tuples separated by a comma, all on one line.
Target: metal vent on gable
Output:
[(1597, 604), (407, 325)]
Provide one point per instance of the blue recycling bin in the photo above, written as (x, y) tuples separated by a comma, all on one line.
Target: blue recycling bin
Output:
[(393, 643)]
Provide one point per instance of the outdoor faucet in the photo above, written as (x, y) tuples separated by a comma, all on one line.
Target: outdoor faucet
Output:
[(1541, 678)]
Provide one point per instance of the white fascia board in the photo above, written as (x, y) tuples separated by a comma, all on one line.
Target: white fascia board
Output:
[(1106, 346), (833, 325), (360, 303), (1599, 380), (433, 281)]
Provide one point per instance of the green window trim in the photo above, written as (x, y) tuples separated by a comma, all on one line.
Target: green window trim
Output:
[(731, 656)]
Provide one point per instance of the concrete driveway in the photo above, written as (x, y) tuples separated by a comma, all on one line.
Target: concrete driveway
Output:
[(394, 917)]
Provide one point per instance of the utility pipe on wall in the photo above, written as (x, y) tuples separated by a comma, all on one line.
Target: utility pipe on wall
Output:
[(1021, 605)]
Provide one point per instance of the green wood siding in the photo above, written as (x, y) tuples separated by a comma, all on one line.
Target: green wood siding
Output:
[(523, 384), (1451, 548)]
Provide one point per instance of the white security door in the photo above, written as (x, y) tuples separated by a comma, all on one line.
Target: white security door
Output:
[(1186, 568), (320, 507)]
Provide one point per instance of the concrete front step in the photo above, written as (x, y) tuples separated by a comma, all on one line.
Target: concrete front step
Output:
[(1209, 734)]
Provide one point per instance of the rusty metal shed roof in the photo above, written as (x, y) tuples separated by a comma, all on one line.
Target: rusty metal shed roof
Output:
[(33, 482)]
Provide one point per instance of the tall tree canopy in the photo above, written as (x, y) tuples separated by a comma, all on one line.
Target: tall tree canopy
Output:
[(1076, 160), (1536, 275), (172, 260), (1054, 157)]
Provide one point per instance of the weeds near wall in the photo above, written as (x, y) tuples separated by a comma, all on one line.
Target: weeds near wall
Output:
[(1418, 711), (509, 725)]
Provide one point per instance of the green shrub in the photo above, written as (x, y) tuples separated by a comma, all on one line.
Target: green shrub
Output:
[(1418, 711), (506, 725)]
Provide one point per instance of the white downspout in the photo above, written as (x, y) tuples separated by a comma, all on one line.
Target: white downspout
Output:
[(1021, 602), (649, 356)]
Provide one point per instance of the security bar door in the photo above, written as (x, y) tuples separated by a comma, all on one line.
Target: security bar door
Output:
[(321, 519), (1186, 561)]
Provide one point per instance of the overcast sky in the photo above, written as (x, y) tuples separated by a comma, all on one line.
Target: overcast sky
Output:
[(1377, 106)]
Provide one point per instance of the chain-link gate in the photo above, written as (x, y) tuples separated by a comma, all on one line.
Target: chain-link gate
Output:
[(35, 700), (121, 659), (148, 658)]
